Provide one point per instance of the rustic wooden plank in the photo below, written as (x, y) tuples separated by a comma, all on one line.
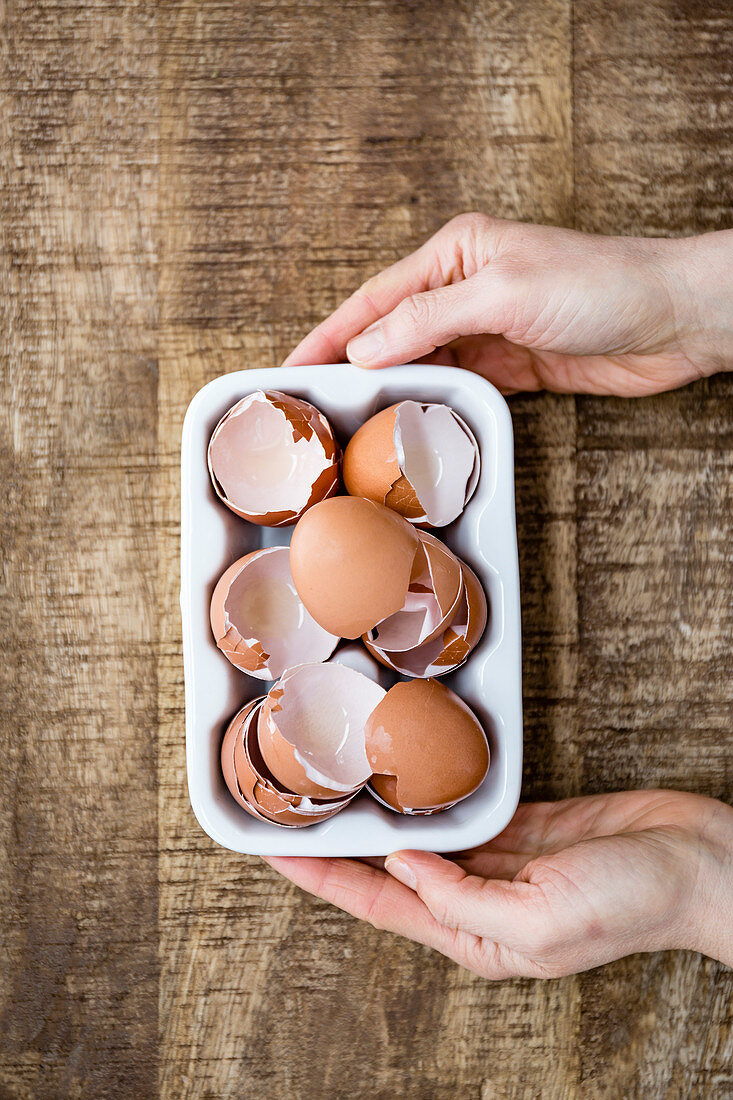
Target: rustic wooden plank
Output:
[(653, 129), (300, 153), (78, 837)]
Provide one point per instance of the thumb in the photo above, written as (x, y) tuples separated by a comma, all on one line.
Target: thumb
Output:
[(505, 912), (423, 322)]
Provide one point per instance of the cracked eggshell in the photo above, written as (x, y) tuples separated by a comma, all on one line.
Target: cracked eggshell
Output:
[(466, 630), (258, 620), (449, 650), (426, 747), (432, 599), (351, 561), (311, 729), (420, 459), (271, 457), (254, 788)]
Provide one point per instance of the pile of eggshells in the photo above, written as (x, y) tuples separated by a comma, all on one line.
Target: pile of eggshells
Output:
[(359, 566)]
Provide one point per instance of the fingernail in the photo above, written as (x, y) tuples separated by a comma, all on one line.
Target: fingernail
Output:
[(401, 871), (367, 346)]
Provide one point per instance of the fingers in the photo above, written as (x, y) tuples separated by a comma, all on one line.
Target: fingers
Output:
[(509, 913), (452, 254), (379, 295), (370, 895), (423, 322)]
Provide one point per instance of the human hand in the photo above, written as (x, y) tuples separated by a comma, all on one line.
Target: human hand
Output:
[(533, 307), (567, 886)]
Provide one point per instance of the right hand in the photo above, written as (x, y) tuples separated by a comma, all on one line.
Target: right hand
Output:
[(567, 886), (533, 307)]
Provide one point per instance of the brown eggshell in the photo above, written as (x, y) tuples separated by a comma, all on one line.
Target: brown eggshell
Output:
[(379, 458), (434, 592), (311, 729), (425, 736), (445, 571), (234, 730), (351, 561), (447, 652), (248, 658), (259, 644), (228, 446), (371, 468), (279, 755), (252, 785), (458, 641), (384, 789)]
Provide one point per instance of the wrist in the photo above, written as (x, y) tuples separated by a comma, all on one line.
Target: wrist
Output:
[(710, 925), (700, 283)]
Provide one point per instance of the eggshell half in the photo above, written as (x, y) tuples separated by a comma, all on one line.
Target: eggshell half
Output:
[(272, 456), (351, 561), (445, 653), (420, 459), (311, 729), (430, 742), (254, 788), (258, 620)]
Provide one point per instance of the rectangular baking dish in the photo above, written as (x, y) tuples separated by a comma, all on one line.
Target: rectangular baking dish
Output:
[(212, 537)]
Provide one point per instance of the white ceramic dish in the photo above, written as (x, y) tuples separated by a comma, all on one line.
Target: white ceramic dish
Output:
[(485, 535)]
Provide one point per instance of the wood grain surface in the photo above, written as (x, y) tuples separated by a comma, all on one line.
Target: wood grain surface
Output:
[(185, 189)]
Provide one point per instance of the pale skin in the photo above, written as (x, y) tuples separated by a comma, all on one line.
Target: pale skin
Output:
[(568, 885)]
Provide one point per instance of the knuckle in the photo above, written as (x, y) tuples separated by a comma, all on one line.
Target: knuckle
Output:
[(366, 293), (471, 224), (419, 310), (375, 910), (442, 909)]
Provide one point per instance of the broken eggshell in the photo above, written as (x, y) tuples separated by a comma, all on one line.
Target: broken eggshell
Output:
[(446, 652), (431, 601), (419, 459), (426, 748), (258, 620), (254, 787), (271, 457), (351, 561), (311, 729), (356, 564)]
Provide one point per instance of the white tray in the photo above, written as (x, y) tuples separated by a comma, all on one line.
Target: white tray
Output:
[(484, 535)]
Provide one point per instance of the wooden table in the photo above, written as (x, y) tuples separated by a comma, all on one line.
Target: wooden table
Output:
[(185, 189)]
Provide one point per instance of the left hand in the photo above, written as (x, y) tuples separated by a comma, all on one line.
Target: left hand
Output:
[(567, 886)]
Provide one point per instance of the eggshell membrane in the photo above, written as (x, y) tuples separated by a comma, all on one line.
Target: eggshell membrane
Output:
[(311, 729), (258, 620), (455, 459), (351, 561), (447, 652), (424, 735), (253, 786), (313, 440), (432, 598), (387, 460)]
